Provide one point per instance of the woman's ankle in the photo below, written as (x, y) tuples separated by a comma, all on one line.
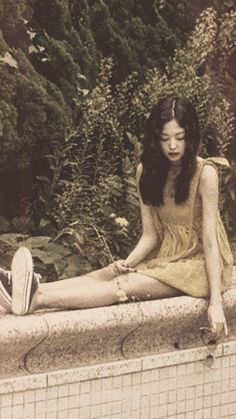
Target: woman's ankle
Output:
[(36, 302)]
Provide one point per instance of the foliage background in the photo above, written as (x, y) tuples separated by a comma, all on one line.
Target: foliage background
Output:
[(77, 80)]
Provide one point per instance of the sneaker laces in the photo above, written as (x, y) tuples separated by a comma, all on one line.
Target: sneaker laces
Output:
[(38, 277), (7, 274)]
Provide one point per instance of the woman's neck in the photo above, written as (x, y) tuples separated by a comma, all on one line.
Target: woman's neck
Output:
[(174, 168)]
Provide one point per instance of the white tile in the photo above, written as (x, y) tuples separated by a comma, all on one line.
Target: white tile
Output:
[(62, 403), (6, 412), (190, 415), (181, 394), (154, 400), (190, 404), (52, 415), (190, 368), (181, 369), (233, 384), (74, 414), (17, 412), (116, 407), (232, 408), (62, 414), (74, 389), (146, 388), (95, 412), (171, 383), (51, 405), (199, 403), (29, 396), (40, 407), (63, 390), (52, 392), (207, 414), (117, 381), (85, 386), (172, 396), (171, 409), (181, 407), (145, 401), (126, 380), (6, 400), (189, 392), (136, 378), (29, 409), (232, 395), (164, 373), (225, 398), (40, 394), (95, 397), (224, 410), (207, 401), (162, 411), (75, 401), (18, 398), (207, 389), (215, 410), (155, 375), (172, 371), (215, 399), (96, 385), (144, 413), (163, 398)]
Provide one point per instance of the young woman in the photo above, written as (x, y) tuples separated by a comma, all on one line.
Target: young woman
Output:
[(183, 249)]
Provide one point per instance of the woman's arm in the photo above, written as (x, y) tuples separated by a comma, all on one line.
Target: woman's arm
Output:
[(149, 239), (208, 189)]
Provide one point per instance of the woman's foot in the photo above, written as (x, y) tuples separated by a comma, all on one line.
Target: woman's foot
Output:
[(24, 282)]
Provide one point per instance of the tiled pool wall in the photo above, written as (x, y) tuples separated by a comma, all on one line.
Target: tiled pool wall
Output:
[(174, 385)]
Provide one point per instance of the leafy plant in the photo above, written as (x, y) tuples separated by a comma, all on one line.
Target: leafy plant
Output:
[(99, 200), (84, 138)]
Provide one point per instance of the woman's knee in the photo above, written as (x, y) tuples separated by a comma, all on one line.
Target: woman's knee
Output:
[(133, 286), (141, 287)]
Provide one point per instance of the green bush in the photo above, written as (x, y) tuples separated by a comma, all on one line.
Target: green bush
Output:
[(98, 207), (80, 136)]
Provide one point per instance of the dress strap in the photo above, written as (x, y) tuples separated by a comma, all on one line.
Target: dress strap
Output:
[(221, 161)]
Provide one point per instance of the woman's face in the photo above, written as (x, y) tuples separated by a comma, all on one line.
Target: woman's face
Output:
[(172, 141)]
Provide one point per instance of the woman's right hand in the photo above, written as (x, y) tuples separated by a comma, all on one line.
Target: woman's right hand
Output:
[(217, 319), (120, 267)]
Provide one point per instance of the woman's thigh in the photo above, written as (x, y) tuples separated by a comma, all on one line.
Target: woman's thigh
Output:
[(146, 288)]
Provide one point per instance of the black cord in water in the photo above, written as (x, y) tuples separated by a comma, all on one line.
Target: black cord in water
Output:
[(135, 329), (35, 346)]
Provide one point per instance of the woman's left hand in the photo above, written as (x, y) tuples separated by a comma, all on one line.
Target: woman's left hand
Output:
[(217, 319), (121, 267)]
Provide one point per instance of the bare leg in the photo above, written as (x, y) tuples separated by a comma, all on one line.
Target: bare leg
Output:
[(104, 274), (95, 293)]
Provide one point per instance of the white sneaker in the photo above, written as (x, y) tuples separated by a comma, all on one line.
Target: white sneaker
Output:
[(22, 279)]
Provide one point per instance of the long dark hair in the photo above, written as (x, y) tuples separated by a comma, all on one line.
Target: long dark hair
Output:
[(155, 164)]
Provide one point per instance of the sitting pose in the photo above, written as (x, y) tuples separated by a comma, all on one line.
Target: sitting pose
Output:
[(183, 249)]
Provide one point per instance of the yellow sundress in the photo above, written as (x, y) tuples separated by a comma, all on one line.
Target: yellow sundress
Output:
[(180, 259)]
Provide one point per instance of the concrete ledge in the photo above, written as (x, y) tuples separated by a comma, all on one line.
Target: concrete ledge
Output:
[(49, 341)]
